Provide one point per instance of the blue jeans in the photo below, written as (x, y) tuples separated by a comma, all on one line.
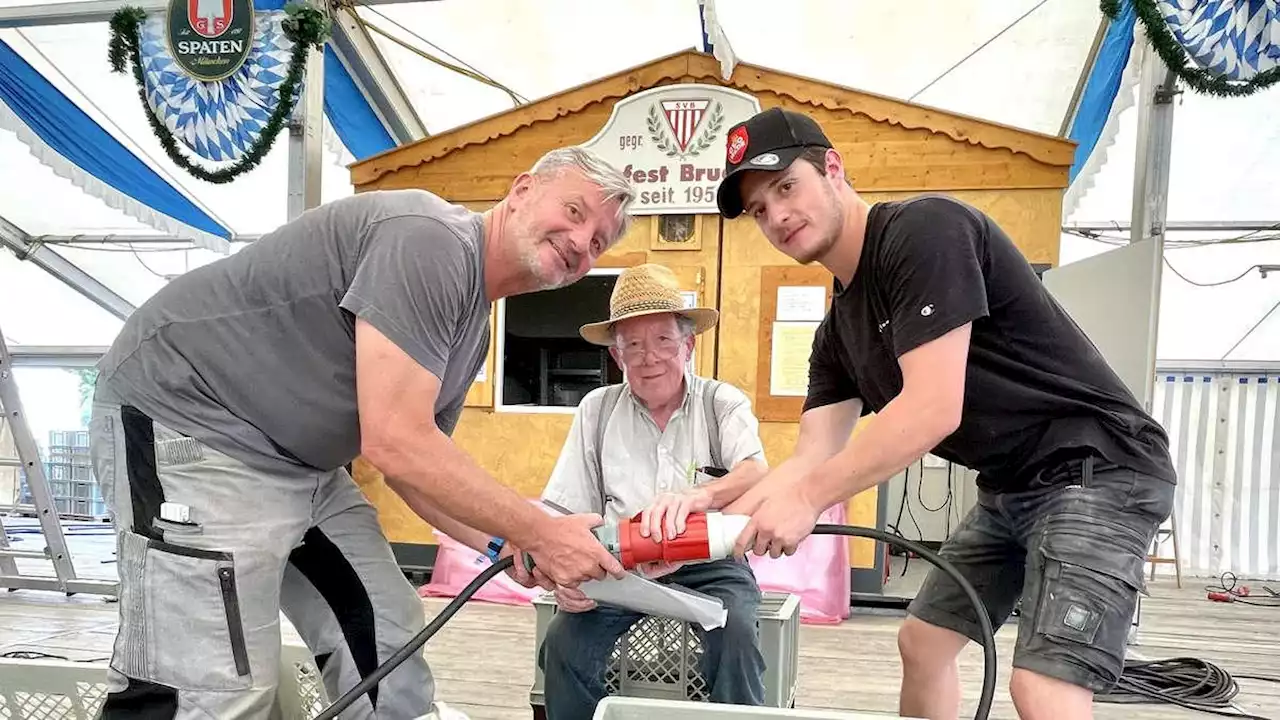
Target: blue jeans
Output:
[(576, 648)]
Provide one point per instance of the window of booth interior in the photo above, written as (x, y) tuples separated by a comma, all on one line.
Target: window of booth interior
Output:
[(543, 363)]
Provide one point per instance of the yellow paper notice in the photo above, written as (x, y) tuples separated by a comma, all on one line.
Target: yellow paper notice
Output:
[(789, 358)]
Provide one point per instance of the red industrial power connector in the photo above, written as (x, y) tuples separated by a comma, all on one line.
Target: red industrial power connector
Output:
[(707, 536)]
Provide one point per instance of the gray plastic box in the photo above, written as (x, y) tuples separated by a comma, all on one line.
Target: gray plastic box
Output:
[(657, 658), (630, 708)]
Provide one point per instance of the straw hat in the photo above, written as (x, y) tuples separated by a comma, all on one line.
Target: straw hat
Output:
[(647, 290)]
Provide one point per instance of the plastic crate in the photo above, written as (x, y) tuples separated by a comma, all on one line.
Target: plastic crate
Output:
[(72, 438), (628, 708), (85, 489), (658, 657), (52, 689), (70, 455), (74, 498)]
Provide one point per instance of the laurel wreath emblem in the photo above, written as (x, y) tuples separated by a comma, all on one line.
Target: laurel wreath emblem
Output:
[(661, 136)]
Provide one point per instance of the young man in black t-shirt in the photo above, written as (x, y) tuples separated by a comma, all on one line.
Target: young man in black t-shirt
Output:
[(941, 328)]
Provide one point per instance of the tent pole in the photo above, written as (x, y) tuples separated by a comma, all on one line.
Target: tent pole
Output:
[(59, 356), (357, 50), (306, 140), (1180, 226), (22, 246), (1073, 106), (1150, 204), (1151, 185), (132, 239)]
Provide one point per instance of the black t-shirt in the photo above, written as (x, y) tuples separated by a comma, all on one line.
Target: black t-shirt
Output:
[(1037, 391)]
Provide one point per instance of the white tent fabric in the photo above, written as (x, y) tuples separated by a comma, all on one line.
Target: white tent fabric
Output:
[(1224, 149), (1015, 62)]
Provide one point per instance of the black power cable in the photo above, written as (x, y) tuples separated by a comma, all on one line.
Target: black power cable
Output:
[(1240, 594), (946, 502), (417, 642), (980, 610), (905, 506), (984, 622)]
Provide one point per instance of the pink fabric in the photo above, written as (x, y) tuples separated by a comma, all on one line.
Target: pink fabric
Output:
[(456, 565), (818, 572)]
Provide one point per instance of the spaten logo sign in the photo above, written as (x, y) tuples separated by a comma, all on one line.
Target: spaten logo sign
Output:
[(210, 39)]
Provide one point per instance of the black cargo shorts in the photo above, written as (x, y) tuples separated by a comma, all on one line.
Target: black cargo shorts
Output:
[(1073, 552)]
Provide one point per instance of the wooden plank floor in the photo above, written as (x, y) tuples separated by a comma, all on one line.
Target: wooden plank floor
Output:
[(855, 665), (850, 666)]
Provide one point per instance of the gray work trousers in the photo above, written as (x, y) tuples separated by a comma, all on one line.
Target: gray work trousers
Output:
[(200, 600)]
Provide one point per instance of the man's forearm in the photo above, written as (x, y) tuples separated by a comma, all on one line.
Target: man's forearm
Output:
[(463, 533), (893, 439), (788, 473), (437, 478)]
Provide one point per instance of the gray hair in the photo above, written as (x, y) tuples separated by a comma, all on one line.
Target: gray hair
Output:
[(684, 324), (612, 183)]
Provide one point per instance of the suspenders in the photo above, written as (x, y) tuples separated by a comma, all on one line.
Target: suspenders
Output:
[(610, 401)]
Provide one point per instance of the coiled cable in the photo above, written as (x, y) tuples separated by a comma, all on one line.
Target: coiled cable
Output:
[(1187, 682), (980, 611), (1231, 591)]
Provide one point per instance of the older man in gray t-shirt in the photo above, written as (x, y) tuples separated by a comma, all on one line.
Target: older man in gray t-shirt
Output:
[(231, 402)]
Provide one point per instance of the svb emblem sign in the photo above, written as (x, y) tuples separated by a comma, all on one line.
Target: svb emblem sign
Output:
[(210, 39), (684, 120), (670, 141)]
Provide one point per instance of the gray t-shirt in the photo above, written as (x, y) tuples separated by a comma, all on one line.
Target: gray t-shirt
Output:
[(254, 354)]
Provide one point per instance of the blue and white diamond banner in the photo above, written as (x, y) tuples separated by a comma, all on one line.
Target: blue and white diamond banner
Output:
[(221, 120), (1234, 39)]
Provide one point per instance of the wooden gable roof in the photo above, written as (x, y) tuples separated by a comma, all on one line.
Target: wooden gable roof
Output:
[(1046, 159)]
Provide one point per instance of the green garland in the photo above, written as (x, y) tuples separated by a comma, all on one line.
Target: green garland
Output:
[(306, 26), (1202, 80)]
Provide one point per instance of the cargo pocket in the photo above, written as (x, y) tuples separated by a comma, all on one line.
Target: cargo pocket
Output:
[(180, 617), (1092, 574)]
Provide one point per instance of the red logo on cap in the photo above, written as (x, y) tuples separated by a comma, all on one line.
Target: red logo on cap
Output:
[(737, 145)]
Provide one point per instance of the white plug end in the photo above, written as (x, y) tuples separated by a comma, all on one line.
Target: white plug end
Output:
[(722, 533)]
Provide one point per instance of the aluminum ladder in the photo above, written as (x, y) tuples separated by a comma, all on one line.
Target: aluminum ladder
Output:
[(28, 460)]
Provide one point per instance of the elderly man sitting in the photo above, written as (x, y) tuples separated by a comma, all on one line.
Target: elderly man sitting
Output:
[(659, 445)]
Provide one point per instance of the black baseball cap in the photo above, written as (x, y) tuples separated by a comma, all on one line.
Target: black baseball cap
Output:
[(769, 141)]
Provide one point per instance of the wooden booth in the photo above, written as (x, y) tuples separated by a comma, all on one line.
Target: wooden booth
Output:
[(666, 123)]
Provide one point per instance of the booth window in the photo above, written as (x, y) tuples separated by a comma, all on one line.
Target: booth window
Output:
[(544, 362)]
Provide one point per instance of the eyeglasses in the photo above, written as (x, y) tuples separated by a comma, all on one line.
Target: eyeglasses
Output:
[(663, 349)]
